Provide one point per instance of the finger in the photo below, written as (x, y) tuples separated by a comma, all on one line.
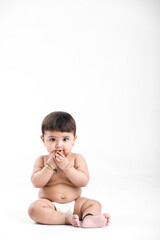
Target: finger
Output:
[(58, 158), (52, 154), (60, 153)]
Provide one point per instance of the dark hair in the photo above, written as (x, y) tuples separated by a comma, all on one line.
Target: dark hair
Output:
[(59, 121)]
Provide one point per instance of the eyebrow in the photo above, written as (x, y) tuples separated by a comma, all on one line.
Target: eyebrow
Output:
[(62, 137)]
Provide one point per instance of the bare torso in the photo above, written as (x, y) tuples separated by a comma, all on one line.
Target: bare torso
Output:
[(59, 188)]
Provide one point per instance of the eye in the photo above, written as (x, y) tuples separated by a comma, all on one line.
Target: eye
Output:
[(52, 139), (65, 139)]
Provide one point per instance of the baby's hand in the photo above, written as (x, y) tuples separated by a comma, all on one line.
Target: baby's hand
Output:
[(51, 160), (61, 160)]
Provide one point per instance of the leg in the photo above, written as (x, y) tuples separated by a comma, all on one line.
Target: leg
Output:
[(43, 211), (84, 206)]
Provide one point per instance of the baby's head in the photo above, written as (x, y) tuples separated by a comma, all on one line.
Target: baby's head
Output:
[(59, 132), (59, 121)]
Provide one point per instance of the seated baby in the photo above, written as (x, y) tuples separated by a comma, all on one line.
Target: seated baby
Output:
[(60, 175)]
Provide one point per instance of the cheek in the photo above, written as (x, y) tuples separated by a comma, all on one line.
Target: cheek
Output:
[(69, 146), (50, 146)]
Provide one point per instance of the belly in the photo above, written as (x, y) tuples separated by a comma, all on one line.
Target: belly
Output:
[(61, 193)]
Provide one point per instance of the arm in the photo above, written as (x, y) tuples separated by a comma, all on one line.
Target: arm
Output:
[(41, 174), (79, 174)]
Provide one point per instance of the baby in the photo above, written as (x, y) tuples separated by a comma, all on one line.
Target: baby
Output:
[(60, 175)]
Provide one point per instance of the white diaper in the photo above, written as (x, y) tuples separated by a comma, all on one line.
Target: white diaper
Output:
[(65, 208)]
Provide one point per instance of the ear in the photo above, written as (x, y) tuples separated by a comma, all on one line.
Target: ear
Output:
[(42, 137), (75, 138)]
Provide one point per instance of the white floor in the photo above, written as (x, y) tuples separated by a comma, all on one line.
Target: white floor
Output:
[(134, 205)]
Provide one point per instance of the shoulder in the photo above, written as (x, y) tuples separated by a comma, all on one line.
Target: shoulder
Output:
[(41, 160), (79, 159), (77, 156), (81, 164)]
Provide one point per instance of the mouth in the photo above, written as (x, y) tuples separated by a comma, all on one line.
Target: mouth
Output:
[(58, 150)]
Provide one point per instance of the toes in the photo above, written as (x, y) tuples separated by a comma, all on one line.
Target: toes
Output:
[(107, 216), (77, 224), (76, 220)]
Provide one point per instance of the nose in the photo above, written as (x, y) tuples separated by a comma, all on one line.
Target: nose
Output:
[(59, 145)]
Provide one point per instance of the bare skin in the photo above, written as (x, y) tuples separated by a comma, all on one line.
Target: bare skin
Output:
[(73, 220), (96, 221), (64, 185)]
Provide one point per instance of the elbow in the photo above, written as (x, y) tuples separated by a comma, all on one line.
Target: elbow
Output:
[(83, 185), (84, 182), (36, 184)]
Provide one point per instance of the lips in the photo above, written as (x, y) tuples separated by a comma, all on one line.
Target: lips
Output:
[(61, 151)]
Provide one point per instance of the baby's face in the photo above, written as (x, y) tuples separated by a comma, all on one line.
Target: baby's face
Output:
[(58, 141)]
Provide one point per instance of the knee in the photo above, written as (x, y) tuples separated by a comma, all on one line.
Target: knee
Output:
[(97, 204), (33, 209), (92, 203)]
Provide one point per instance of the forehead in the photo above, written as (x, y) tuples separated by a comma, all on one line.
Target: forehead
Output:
[(58, 134)]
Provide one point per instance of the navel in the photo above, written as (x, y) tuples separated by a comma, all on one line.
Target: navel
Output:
[(63, 196)]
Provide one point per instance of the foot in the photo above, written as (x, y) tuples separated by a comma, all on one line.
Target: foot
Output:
[(96, 221), (73, 220)]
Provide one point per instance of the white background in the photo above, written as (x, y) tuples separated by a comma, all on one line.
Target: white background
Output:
[(99, 61)]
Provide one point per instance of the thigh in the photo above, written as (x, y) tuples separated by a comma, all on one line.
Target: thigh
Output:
[(78, 206), (42, 203)]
